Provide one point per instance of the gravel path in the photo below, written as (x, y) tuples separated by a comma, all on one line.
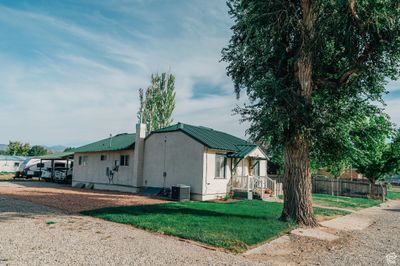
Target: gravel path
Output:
[(365, 237), (31, 234), (371, 245)]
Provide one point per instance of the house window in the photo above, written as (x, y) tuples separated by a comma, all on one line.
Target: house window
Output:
[(103, 157), (220, 166), (16, 164), (83, 160), (256, 168), (124, 160)]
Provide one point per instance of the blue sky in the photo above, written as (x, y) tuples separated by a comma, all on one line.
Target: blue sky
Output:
[(71, 70)]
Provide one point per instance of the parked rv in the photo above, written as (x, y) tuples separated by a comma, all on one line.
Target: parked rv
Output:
[(34, 167), (61, 175), (27, 168)]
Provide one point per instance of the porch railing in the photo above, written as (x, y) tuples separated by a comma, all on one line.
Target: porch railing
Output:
[(256, 184)]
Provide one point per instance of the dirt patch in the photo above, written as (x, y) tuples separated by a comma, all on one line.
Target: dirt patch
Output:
[(298, 250), (74, 200), (225, 200), (321, 218), (4, 177)]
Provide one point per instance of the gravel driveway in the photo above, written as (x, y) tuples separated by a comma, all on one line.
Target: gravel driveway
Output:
[(71, 200), (31, 234)]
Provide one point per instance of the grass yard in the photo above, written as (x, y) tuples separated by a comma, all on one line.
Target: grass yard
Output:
[(234, 226), (393, 195), (344, 202)]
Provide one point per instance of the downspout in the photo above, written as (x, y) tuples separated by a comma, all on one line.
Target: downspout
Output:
[(165, 165), (206, 173)]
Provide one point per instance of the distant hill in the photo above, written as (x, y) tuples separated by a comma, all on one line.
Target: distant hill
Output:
[(55, 148), (3, 147)]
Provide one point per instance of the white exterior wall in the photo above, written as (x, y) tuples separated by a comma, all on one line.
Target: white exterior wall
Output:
[(95, 171), (186, 161), (182, 158), (263, 167), (177, 154), (9, 165), (214, 187)]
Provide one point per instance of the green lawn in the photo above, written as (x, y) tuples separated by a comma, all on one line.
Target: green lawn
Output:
[(393, 195), (344, 202), (234, 226)]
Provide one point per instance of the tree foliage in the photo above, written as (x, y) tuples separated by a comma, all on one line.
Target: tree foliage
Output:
[(157, 102), (313, 72), (37, 151), (380, 158), (18, 148)]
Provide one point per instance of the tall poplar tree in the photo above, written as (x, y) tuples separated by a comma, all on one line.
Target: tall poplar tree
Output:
[(157, 103)]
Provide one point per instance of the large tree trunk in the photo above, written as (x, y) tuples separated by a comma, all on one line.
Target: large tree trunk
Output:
[(297, 185)]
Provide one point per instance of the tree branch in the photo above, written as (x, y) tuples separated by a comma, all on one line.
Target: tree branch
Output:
[(355, 17)]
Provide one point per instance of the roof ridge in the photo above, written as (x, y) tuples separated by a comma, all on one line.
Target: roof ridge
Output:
[(214, 139), (117, 142)]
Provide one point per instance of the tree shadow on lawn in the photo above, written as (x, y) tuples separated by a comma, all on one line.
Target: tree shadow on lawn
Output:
[(174, 209)]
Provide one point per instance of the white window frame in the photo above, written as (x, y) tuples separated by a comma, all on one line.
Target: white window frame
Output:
[(256, 165), (218, 167), (83, 160)]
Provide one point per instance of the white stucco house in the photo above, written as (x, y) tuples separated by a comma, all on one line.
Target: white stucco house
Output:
[(211, 162), (10, 163)]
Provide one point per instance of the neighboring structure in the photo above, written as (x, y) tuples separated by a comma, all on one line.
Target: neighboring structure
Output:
[(9, 163), (346, 174), (209, 161)]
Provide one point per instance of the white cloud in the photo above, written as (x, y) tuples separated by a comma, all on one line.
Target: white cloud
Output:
[(82, 82), (79, 81)]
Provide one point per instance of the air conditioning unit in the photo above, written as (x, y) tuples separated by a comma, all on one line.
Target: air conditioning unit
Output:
[(180, 192)]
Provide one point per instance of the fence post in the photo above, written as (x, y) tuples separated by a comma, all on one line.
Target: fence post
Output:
[(262, 188), (249, 194)]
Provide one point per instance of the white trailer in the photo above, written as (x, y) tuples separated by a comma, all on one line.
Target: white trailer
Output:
[(10, 163)]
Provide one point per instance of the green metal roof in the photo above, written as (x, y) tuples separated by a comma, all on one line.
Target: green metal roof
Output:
[(57, 156), (243, 150), (118, 142), (12, 158), (214, 139)]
